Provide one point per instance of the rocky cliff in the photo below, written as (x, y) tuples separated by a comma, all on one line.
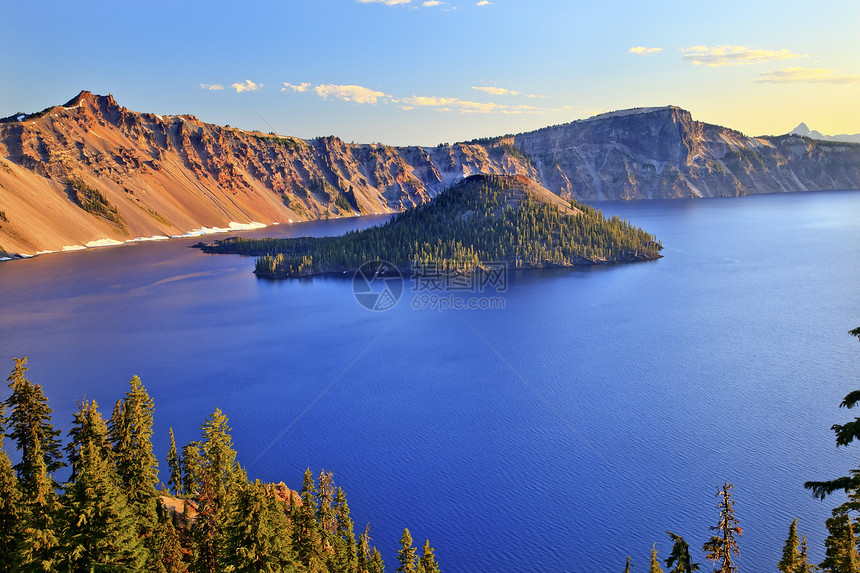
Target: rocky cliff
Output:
[(651, 153), (91, 171)]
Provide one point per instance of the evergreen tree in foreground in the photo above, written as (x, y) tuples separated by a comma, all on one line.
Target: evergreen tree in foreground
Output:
[(98, 530), (428, 560), (791, 551), (406, 555), (257, 533), (10, 510), (175, 465), (679, 560), (88, 428), (131, 434), (34, 435), (723, 547), (30, 422), (804, 566), (840, 546)]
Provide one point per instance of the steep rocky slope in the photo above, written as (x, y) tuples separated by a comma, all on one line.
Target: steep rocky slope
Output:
[(663, 153), (92, 171)]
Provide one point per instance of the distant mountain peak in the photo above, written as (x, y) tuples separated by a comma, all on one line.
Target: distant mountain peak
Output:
[(801, 129), (804, 131)]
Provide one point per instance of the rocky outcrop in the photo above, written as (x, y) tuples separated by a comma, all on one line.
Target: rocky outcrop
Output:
[(167, 175), (663, 153)]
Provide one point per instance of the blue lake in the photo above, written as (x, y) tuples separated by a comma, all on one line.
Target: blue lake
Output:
[(569, 429)]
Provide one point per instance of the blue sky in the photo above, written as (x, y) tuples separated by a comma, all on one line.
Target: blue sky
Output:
[(424, 72)]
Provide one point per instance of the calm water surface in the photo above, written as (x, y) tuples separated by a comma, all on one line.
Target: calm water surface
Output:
[(568, 430)]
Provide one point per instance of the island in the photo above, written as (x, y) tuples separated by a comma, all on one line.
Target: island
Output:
[(482, 219)]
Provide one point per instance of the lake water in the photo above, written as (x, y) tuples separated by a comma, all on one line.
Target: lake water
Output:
[(564, 432)]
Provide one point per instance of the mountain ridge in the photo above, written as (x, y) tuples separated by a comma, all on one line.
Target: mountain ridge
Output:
[(167, 175)]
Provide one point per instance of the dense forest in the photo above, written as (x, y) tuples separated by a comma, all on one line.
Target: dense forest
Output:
[(482, 219), (109, 516)]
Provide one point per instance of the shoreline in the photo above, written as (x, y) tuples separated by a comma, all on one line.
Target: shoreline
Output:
[(232, 227)]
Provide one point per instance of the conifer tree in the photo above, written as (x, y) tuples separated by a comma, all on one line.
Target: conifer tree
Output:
[(192, 468), (306, 530), (428, 559), (218, 456), (840, 546), (206, 532), (723, 547), (345, 546), (406, 555), (680, 560), (376, 564), (256, 534), (790, 551), (175, 465), (36, 439), (363, 550), (11, 512), (98, 530), (805, 566), (655, 562), (167, 543), (88, 427), (131, 434)]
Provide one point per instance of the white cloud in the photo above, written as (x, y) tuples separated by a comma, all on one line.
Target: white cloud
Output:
[(302, 87), (357, 94), (465, 106), (643, 51), (246, 86), (484, 3), (211, 87), (717, 56), (495, 91), (386, 2), (431, 3), (536, 96), (806, 75)]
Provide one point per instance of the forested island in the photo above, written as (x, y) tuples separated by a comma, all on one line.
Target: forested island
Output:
[(482, 219)]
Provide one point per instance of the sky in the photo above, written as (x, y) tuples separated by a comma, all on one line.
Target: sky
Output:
[(423, 72)]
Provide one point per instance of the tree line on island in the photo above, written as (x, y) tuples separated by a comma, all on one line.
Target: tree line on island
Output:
[(482, 219), (109, 517)]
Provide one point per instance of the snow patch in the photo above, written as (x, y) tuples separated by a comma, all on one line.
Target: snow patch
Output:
[(152, 238), (233, 226), (21, 117), (103, 243), (44, 252), (73, 247), (5, 258)]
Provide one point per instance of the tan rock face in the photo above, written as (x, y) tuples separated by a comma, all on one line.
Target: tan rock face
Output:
[(168, 175)]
